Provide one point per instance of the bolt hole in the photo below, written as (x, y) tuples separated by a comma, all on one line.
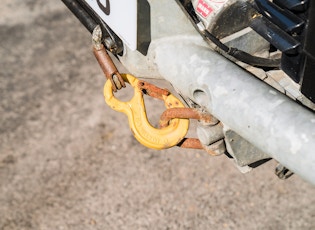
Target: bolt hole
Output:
[(201, 97)]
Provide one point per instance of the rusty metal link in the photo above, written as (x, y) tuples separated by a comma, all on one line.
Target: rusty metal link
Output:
[(152, 90), (192, 113), (105, 61), (189, 113)]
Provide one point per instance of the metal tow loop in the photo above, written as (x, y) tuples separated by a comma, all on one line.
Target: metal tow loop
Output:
[(166, 137)]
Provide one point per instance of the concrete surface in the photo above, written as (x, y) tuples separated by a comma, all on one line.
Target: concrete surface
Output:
[(68, 162)]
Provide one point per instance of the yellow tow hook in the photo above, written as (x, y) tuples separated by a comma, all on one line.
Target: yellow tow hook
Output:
[(143, 131)]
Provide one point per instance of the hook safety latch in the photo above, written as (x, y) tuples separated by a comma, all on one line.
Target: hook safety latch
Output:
[(143, 131)]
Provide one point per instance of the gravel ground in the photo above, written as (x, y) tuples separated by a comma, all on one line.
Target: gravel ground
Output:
[(69, 162)]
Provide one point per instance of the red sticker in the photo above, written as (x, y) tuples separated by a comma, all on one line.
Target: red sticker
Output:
[(203, 8)]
